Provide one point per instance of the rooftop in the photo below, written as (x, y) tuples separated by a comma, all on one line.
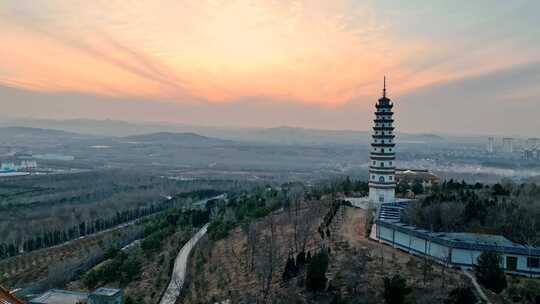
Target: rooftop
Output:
[(55, 296), (476, 238), (482, 242), (105, 291)]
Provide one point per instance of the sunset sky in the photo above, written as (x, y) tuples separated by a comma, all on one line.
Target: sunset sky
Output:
[(452, 66)]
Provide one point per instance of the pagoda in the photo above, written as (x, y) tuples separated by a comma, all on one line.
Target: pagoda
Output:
[(382, 183)]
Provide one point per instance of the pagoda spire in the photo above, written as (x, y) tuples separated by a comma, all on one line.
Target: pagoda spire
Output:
[(384, 87)]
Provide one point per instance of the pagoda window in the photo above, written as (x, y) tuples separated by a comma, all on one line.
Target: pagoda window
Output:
[(381, 179), (382, 164)]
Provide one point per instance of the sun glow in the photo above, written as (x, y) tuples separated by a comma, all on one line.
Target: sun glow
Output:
[(322, 52)]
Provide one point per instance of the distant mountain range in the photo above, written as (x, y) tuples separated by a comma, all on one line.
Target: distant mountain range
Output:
[(155, 132), (187, 138), (30, 134)]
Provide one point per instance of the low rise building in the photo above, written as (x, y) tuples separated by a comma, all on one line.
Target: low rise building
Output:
[(412, 176), (57, 296), (456, 249), (99, 296), (106, 296)]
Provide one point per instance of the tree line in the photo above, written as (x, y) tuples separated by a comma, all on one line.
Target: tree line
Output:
[(508, 209), (54, 237)]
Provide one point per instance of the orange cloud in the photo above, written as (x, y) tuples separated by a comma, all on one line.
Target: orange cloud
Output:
[(324, 52)]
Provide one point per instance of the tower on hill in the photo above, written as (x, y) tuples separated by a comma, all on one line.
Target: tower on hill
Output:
[(382, 183)]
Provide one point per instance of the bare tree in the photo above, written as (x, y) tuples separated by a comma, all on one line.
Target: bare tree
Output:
[(267, 260), (446, 259), (304, 229), (295, 196), (251, 245), (531, 238)]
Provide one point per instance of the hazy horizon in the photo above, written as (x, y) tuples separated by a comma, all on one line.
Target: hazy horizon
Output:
[(467, 69)]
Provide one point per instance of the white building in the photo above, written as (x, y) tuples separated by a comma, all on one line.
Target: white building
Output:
[(508, 145), (532, 143), (491, 145), (459, 249), (382, 170)]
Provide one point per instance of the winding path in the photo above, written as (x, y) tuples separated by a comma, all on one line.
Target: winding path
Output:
[(477, 286), (180, 265)]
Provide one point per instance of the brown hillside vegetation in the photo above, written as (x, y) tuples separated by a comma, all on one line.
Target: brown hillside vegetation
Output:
[(222, 270), (56, 265), (238, 267)]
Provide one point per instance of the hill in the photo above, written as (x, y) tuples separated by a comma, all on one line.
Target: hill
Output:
[(282, 135), (187, 138), (28, 132), (22, 136)]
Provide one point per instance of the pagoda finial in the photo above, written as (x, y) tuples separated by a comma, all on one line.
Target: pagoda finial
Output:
[(384, 87)]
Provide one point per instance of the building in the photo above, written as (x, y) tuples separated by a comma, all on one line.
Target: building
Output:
[(491, 145), (459, 249), (56, 296), (508, 145), (532, 143), (456, 249), (99, 296), (531, 154), (382, 184), (106, 296), (411, 176)]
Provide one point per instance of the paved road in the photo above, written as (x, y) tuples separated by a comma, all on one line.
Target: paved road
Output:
[(477, 286), (179, 272)]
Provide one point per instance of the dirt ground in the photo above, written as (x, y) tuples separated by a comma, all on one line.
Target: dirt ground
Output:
[(219, 271), (430, 282)]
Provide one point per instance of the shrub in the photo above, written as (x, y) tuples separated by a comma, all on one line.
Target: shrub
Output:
[(218, 230), (489, 272), (291, 270), (316, 272), (91, 279), (461, 295), (395, 289)]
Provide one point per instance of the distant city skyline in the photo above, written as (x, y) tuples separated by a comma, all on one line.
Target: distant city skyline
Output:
[(454, 67)]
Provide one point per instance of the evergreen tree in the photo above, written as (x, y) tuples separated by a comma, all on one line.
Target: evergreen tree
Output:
[(301, 259), (316, 272), (308, 257), (395, 289), (417, 187), (489, 272), (291, 270), (461, 295)]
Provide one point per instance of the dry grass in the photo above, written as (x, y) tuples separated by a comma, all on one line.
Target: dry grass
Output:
[(351, 247), (221, 270), (357, 267)]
